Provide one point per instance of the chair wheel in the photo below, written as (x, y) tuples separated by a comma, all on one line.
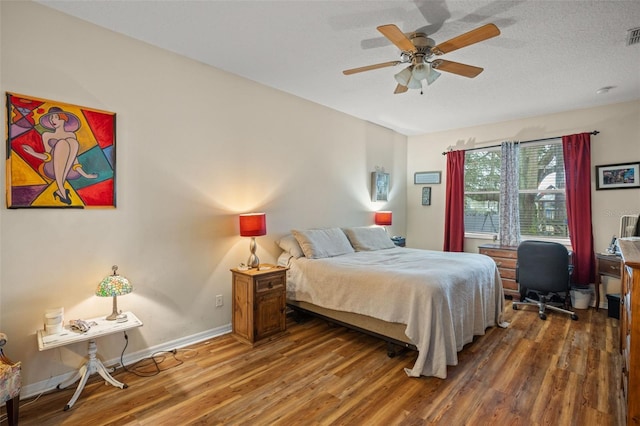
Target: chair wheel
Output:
[(543, 316), (574, 317)]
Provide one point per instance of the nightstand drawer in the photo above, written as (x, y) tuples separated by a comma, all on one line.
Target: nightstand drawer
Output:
[(269, 282), (609, 267)]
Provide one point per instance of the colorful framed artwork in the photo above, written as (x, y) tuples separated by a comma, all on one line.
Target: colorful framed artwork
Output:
[(59, 155), (618, 176), (379, 186)]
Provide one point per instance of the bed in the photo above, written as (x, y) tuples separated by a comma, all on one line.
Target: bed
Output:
[(435, 302)]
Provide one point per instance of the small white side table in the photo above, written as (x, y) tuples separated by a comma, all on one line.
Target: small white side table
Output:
[(93, 364)]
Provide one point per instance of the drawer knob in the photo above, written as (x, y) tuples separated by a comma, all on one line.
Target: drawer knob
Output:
[(270, 285), (498, 264)]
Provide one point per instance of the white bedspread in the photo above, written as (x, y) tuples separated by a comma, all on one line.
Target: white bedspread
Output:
[(444, 298)]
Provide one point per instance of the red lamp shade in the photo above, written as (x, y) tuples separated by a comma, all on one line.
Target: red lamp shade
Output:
[(383, 218), (253, 224)]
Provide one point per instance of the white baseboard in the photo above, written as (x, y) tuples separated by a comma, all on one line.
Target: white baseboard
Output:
[(34, 389)]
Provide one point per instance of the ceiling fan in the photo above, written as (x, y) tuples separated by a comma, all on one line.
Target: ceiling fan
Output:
[(418, 50)]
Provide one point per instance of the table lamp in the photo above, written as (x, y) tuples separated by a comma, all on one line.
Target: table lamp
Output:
[(114, 285), (383, 218), (253, 225)]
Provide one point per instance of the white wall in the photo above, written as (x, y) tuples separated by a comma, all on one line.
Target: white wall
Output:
[(618, 142), (195, 147)]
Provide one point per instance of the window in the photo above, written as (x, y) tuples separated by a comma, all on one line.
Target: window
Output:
[(542, 202)]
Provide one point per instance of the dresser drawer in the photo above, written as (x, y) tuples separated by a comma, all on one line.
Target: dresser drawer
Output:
[(506, 259), (509, 284), (503, 253), (504, 262), (509, 274)]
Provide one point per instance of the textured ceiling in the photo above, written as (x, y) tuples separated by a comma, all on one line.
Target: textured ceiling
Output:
[(552, 56)]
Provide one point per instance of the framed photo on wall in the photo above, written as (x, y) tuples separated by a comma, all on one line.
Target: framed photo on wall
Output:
[(379, 186), (618, 176), (59, 155), (427, 177), (426, 196)]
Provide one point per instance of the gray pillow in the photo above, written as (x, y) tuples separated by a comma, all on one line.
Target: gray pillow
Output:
[(289, 244), (320, 243), (368, 238)]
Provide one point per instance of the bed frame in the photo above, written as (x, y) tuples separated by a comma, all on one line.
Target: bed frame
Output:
[(390, 332)]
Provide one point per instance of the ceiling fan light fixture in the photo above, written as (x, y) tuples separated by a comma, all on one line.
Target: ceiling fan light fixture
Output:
[(420, 71), (433, 76), (404, 76), (414, 83)]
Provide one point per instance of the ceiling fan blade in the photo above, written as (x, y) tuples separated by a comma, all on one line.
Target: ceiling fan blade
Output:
[(371, 67), (397, 37), (456, 68), (400, 89), (474, 36)]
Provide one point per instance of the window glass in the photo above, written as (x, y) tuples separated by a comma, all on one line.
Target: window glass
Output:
[(542, 202)]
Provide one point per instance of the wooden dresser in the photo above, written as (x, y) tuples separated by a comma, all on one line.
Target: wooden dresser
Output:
[(630, 329), (259, 303), (506, 258)]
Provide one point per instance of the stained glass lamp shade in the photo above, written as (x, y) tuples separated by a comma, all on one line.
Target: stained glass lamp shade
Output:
[(113, 286)]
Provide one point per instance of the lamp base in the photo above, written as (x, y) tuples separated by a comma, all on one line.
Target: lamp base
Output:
[(253, 261), (114, 314)]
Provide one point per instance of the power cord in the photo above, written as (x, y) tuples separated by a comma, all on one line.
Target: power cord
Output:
[(154, 360)]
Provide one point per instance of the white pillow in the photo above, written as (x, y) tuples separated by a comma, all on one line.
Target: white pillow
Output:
[(367, 238), (319, 243), (289, 244)]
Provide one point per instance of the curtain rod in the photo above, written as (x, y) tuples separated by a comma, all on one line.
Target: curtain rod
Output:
[(595, 132)]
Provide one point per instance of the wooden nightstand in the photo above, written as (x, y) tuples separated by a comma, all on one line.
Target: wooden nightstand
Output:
[(506, 258), (609, 265), (259, 303)]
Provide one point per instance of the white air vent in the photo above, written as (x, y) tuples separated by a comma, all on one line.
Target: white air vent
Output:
[(633, 36)]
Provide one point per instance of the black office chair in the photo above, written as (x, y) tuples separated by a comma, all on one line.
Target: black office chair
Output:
[(544, 273)]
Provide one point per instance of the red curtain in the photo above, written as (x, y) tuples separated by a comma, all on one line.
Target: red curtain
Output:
[(577, 165), (454, 210)]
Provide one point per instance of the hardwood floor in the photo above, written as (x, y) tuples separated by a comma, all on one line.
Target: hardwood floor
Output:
[(554, 372)]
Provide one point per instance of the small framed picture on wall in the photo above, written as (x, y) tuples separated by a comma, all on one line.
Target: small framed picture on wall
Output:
[(379, 186), (426, 196)]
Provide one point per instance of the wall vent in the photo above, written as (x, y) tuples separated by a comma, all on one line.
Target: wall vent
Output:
[(633, 36)]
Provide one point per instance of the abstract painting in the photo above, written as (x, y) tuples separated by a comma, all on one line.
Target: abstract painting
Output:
[(59, 155)]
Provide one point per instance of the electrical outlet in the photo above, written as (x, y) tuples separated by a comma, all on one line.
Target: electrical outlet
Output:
[(219, 301)]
